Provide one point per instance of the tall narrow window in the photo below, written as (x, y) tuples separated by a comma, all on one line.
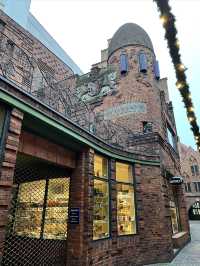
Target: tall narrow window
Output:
[(156, 70), (55, 226), (28, 217), (142, 62), (126, 223), (174, 217), (101, 198), (123, 63), (2, 119)]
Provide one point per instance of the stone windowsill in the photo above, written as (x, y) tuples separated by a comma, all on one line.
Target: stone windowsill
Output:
[(178, 235)]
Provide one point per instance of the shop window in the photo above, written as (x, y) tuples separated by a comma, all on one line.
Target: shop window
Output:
[(32, 206), (101, 198), (174, 217), (55, 225), (30, 202), (100, 167), (126, 223)]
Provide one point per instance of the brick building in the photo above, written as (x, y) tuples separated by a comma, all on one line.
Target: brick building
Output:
[(87, 162), (190, 163)]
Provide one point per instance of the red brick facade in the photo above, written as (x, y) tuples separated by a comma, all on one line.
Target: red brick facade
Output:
[(7, 169), (56, 140), (190, 158)]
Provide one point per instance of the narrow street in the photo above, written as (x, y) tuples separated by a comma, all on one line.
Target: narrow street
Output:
[(190, 255)]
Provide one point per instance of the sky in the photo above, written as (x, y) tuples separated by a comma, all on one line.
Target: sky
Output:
[(82, 28)]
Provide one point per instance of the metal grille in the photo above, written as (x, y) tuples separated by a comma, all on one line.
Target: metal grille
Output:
[(37, 227)]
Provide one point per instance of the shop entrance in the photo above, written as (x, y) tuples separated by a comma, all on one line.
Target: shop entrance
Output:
[(37, 227), (194, 211)]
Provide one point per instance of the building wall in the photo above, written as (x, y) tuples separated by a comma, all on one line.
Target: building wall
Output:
[(34, 49), (18, 10), (189, 157)]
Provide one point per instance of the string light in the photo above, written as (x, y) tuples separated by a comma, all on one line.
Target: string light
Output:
[(177, 43), (174, 46), (191, 119), (181, 67), (163, 19), (179, 85), (191, 109)]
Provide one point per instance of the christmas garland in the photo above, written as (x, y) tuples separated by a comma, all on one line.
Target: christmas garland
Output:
[(168, 21)]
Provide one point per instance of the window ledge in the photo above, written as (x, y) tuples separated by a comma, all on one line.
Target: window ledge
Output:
[(178, 235)]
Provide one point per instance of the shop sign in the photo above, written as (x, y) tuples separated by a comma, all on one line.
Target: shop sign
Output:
[(124, 109), (176, 180), (196, 208), (74, 215)]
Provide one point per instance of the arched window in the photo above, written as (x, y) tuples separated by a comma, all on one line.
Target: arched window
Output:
[(142, 62)]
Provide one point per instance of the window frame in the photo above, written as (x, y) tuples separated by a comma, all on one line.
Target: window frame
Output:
[(5, 128), (133, 184), (107, 181), (43, 212)]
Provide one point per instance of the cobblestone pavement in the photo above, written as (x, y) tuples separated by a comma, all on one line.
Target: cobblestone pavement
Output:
[(189, 255)]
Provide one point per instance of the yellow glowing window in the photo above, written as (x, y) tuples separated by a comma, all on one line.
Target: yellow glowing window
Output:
[(174, 217), (28, 216), (56, 215), (100, 166), (126, 223), (124, 172), (101, 210), (32, 208)]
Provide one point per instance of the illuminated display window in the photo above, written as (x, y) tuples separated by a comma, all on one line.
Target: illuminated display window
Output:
[(55, 226), (31, 209), (101, 199), (100, 166), (174, 217), (124, 173), (126, 222)]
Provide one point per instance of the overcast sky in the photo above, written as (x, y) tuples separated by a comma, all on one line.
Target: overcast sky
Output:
[(82, 28)]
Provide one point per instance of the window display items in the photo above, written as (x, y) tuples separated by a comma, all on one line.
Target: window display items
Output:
[(32, 207)]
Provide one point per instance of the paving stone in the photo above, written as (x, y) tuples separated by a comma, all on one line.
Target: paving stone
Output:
[(189, 255)]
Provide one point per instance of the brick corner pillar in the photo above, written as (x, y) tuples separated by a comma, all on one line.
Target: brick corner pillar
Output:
[(80, 196), (12, 130)]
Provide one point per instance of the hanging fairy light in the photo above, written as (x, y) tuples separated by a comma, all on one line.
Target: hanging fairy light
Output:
[(168, 21)]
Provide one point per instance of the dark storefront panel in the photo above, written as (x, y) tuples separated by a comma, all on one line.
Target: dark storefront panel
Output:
[(194, 211), (37, 228)]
